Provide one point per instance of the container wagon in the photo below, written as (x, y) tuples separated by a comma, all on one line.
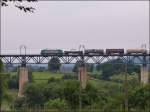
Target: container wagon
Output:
[(73, 52)]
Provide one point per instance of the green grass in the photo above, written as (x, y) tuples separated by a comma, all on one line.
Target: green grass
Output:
[(44, 76)]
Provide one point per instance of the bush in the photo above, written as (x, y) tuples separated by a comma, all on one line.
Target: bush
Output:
[(52, 79), (140, 98), (56, 104), (53, 90), (34, 94), (69, 76), (13, 82), (30, 76), (19, 102)]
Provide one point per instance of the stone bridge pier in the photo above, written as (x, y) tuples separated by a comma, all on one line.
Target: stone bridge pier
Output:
[(82, 76), (23, 78), (144, 74)]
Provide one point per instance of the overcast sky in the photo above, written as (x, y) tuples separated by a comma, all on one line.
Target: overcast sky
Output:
[(66, 25)]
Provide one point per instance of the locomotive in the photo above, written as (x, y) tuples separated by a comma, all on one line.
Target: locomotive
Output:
[(46, 52)]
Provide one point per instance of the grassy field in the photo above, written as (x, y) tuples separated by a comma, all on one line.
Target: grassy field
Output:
[(44, 76)]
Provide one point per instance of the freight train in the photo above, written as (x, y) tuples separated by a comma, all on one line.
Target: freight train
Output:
[(46, 52)]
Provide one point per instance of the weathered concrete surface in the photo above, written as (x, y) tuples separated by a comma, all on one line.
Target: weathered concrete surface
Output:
[(23, 78), (144, 75), (82, 77)]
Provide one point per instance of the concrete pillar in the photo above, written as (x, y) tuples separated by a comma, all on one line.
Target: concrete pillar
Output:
[(82, 77), (144, 74), (23, 78)]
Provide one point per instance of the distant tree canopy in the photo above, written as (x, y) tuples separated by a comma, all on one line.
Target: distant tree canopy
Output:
[(54, 64), (112, 69), (76, 66), (89, 67), (21, 7), (1, 66)]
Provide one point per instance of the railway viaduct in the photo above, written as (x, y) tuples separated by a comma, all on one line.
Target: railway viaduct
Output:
[(23, 60)]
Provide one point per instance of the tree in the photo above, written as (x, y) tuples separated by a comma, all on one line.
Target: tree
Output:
[(53, 90), (71, 93), (39, 93), (34, 94), (1, 66), (89, 67), (3, 87), (13, 82), (118, 67), (76, 66), (89, 95), (20, 7), (140, 98), (54, 64)]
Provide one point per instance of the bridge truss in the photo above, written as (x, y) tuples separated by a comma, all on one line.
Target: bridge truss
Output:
[(71, 59)]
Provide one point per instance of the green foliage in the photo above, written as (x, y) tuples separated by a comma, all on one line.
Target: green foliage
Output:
[(71, 93), (19, 102), (133, 80), (89, 67), (95, 75), (57, 103), (13, 82), (34, 94), (39, 93), (54, 64), (89, 95), (53, 79), (1, 66), (69, 76), (140, 98), (30, 76), (53, 90), (111, 69), (4, 87), (76, 66)]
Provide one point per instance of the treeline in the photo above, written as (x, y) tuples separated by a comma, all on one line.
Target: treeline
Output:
[(109, 69)]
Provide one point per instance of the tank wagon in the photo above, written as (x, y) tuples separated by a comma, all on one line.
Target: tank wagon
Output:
[(136, 51), (73, 52), (46, 52), (114, 51), (93, 51)]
